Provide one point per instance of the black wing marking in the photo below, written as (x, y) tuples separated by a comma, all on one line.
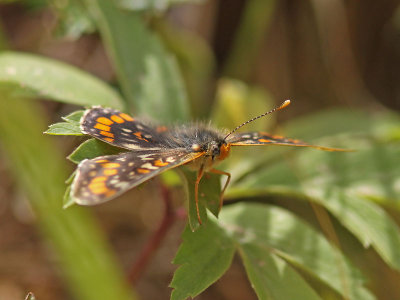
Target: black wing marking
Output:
[(262, 138), (120, 130), (105, 177)]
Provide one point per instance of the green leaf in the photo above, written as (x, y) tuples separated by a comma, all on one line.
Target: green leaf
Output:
[(68, 200), (204, 257), (70, 127), (263, 233), (273, 245), (93, 148), (344, 183), (148, 75), (64, 128), (74, 117), (81, 252), (208, 196), (271, 276), (51, 79)]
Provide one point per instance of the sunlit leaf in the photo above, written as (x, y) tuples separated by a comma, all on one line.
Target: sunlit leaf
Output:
[(51, 79), (64, 128)]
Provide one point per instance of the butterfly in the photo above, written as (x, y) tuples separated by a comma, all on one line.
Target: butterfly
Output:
[(156, 149)]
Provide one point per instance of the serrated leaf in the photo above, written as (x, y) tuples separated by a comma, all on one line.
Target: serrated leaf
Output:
[(204, 257), (257, 228), (93, 148), (270, 241), (54, 80), (64, 128), (209, 195), (341, 182), (148, 75), (74, 117)]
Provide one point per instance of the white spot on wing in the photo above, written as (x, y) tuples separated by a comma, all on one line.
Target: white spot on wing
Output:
[(149, 166)]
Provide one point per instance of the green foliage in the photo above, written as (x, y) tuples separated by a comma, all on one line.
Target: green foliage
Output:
[(270, 241), (278, 248), (209, 195), (48, 78), (89, 268), (148, 75)]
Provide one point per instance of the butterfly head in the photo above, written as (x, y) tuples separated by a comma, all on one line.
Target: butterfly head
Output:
[(218, 149)]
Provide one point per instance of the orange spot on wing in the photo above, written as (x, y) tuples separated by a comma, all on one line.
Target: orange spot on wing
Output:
[(109, 139), (98, 188), (104, 121), (117, 119), (102, 127), (105, 133), (111, 165), (126, 117), (264, 141), (139, 136), (143, 171), (101, 160), (99, 179), (109, 172), (159, 163)]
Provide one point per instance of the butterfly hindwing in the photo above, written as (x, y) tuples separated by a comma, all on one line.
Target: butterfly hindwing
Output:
[(105, 177), (262, 138), (119, 129)]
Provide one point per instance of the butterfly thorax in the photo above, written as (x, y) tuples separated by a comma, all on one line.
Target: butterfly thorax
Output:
[(200, 139)]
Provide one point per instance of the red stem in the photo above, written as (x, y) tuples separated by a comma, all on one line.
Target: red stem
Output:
[(155, 240)]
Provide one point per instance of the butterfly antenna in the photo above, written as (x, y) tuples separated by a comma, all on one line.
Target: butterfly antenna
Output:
[(283, 105)]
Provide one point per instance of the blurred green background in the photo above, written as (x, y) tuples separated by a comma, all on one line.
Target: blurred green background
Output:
[(338, 61)]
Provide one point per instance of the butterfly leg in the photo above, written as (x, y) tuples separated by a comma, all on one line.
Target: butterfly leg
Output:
[(196, 191), (221, 199)]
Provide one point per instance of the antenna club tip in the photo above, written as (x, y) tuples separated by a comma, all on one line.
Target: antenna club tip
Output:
[(285, 103)]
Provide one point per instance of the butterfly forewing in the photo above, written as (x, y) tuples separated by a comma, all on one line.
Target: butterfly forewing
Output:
[(105, 177), (120, 130), (262, 138)]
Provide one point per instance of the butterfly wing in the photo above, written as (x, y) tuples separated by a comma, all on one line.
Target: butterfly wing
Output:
[(120, 130), (105, 177), (262, 138)]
